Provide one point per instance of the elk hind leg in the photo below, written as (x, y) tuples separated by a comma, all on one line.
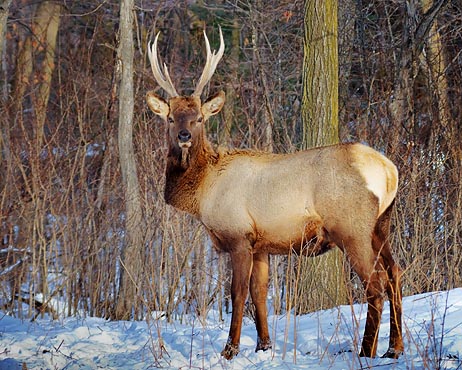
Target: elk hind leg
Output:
[(258, 292), (381, 245), (396, 346), (367, 265), (375, 291)]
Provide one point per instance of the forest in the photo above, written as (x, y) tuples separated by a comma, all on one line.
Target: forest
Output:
[(63, 189)]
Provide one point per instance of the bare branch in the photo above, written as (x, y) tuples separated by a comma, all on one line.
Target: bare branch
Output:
[(425, 25)]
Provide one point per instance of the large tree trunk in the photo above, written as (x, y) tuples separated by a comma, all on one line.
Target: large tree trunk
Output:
[(131, 270), (320, 127), (320, 74)]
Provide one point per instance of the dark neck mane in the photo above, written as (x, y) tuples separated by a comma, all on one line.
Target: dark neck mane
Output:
[(181, 185)]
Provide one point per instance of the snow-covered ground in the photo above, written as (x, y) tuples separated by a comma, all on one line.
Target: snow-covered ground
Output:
[(322, 340)]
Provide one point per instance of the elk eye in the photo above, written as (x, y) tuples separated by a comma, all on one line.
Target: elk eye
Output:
[(170, 120), (200, 119)]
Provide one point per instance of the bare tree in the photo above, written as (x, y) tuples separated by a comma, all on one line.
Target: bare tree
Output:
[(320, 127), (414, 38), (4, 9), (45, 28), (320, 74), (131, 256)]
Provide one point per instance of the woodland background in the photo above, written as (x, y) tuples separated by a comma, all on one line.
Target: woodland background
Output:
[(62, 201)]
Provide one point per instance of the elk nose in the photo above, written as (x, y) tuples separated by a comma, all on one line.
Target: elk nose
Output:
[(184, 136)]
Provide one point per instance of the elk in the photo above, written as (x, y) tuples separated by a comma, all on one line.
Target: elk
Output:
[(255, 203)]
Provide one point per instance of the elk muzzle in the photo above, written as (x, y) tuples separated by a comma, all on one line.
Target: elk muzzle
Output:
[(184, 137), (184, 142)]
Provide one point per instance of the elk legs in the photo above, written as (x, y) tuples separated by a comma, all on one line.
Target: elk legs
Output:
[(383, 279), (241, 260), (395, 347), (249, 271), (369, 265), (258, 292), (381, 246), (375, 291)]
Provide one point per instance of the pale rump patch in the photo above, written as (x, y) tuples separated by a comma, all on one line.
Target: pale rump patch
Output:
[(379, 173)]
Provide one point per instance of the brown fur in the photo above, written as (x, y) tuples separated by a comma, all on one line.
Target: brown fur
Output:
[(254, 204), (182, 184)]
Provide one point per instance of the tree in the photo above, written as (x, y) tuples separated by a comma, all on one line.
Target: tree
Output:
[(437, 65), (131, 257), (320, 127), (45, 28), (4, 8), (320, 74), (414, 38), (33, 77), (233, 62)]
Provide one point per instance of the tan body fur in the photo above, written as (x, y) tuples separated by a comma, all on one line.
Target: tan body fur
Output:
[(280, 200), (254, 204)]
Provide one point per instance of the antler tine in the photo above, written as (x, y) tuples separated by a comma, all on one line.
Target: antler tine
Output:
[(162, 77), (210, 65)]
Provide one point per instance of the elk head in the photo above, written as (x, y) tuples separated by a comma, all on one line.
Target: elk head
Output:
[(185, 115)]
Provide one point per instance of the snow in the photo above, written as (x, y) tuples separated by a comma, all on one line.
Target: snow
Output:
[(329, 339)]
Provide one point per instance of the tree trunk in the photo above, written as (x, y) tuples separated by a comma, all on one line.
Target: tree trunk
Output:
[(42, 42), (4, 130), (436, 61), (131, 256), (347, 16), (233, 86), (34, 70), (4, 9), (320, 127), (45, 28), (320, 74), (266, 119), (402, 105)]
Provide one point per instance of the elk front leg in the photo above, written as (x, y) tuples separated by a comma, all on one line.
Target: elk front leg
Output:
[(241, 260), (259, 292)]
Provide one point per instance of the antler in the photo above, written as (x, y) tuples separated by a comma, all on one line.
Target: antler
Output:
[(210, 65), (162, 77)]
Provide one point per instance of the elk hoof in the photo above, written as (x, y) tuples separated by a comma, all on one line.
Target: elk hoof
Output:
[(263, 344), (230, 351), (392, 353)]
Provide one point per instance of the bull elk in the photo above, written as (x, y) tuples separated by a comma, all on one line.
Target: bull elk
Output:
[(254, 204)]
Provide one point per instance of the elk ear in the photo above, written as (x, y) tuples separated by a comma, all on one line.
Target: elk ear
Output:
[(213, 105), (157, 104)]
